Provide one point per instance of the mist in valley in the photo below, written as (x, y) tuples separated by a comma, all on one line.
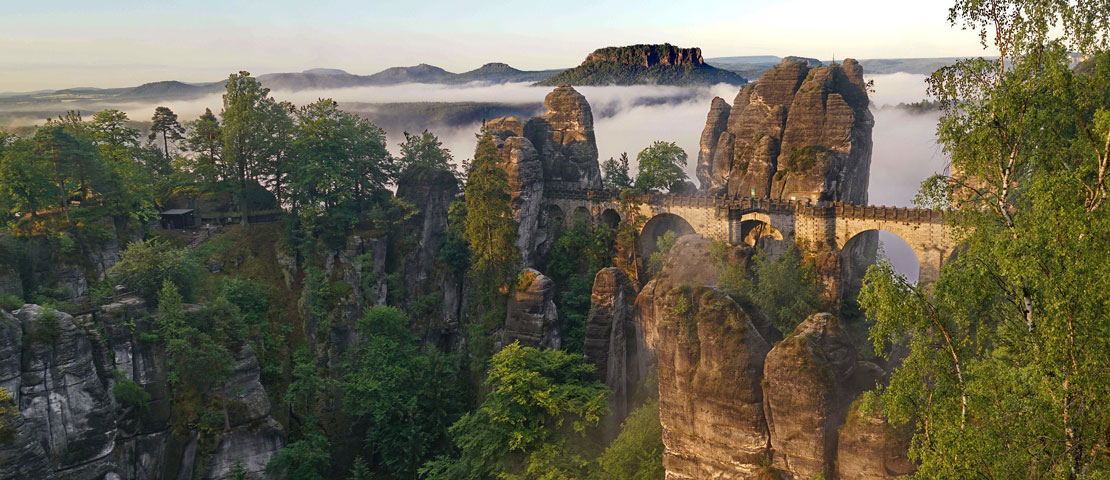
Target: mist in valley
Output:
[(626, 119)]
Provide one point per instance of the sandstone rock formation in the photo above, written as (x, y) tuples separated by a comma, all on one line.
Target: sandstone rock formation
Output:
[(532, 319), (869, 448), (656, 64), (431, 192), (564, 138), (59, 369), (611, 344), (710, 398), (812, 377), (552, 151), (799, 132)]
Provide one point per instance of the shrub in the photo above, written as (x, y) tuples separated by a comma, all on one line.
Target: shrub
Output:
[(143, 266), (129, 393), (10, 302)]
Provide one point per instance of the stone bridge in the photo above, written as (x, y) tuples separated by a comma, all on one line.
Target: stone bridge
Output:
[(773, 224)]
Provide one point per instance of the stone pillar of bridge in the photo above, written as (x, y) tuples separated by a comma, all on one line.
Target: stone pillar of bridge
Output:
[(930, 260)]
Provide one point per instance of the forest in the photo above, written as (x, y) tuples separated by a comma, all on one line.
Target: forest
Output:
[(378, 345)]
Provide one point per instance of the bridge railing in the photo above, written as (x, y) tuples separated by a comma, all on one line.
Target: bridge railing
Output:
[(761, 204)]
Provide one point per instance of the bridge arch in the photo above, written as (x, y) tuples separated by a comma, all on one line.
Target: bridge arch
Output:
[(760, 234), (658, 226), (867, 248), (580, 213), (610, 218)]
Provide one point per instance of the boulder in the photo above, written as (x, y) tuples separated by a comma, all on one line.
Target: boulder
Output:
[(710, 395), (532, 319)]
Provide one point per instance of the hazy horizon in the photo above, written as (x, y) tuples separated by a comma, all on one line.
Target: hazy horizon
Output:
[(70, 43)]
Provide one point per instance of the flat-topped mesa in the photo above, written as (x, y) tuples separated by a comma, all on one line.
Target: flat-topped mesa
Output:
[(647, 55), (800, 132)]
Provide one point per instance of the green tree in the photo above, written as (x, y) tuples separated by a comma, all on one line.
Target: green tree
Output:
[(423, 150), (615, 173), (144, 266), (249, 116), (637, 452), (490, 227), (204, 141), (306, 459), (402, 398), (784, 288), (578, 254), (341, 164), (536, 399), (164, 123), (1008, 350), (660, 166), (25, 185)]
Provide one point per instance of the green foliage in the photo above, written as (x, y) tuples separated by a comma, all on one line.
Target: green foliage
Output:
[(8, 409), (145, 266), (246, 154), (46, 330), (661, 166), (784, 288), (341, 165), (128, 393), (423, 151), (204, 140), (537, 398), (490, 228), (578, 254), (663, 246), (402, 398), (10, 302), (615, 173), (1005, 375), (164, 123), (306, 459), (637, 452)]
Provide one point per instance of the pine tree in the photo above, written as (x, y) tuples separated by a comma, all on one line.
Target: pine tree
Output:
[(164, 123), (490, 228)]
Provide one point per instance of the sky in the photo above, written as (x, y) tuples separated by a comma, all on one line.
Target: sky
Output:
[(116, 43)]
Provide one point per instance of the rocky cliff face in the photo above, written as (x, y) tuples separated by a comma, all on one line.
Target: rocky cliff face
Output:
[(710, 397), (611, 343), (59, 369), (431, 192), (799, 132), (647, 55), (532, 319), (564, 138), (555, 150), (737, 401)]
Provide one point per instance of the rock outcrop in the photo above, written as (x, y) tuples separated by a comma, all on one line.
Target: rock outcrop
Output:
[(611, 344), (61, 371), (736, 399), (532, 319), (663, 64), (564, 138), (799, 132), (869, 448), (555, 150), (431, 192), (710, 398)]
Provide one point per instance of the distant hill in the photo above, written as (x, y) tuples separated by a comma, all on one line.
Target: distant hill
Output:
[(503, 73), (644, 65)]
